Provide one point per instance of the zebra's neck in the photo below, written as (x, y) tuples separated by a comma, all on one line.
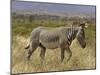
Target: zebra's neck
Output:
[(72, 32)]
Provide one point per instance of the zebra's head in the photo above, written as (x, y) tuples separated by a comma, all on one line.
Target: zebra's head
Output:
[(81, 35)]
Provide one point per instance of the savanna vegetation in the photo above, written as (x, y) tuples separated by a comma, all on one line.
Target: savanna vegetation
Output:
[(22, 25)]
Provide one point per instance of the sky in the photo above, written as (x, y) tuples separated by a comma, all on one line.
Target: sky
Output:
[(53, 8)]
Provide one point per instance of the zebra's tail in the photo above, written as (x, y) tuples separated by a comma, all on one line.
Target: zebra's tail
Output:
[(27, 46)]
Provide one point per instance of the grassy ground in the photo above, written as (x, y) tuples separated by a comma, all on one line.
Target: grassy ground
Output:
[(81, 58)]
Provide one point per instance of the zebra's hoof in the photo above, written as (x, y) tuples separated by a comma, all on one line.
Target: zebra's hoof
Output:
[(28, 58)]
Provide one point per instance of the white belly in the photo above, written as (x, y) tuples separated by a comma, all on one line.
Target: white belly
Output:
[(50, 45)]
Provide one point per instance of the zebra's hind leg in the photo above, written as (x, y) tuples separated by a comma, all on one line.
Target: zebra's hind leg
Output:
[(43, 50), (70, 53), (32, 48)]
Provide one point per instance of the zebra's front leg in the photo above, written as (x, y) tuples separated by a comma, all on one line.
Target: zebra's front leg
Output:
[(62, 54), (70, 53), (43, 50)]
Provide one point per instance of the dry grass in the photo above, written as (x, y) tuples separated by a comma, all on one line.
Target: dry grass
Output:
[(81, 58)]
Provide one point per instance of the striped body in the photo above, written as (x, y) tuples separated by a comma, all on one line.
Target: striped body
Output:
[(54, 37), (51, 38)]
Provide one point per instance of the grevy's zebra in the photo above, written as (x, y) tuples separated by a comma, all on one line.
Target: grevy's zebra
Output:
[(52, 38)]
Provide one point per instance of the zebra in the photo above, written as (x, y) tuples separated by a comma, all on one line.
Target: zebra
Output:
[(52, 38)]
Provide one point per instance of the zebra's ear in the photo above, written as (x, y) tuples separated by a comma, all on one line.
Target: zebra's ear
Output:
[(83, 25)]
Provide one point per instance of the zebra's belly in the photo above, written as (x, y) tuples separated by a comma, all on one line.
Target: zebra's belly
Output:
[(50, 45)]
